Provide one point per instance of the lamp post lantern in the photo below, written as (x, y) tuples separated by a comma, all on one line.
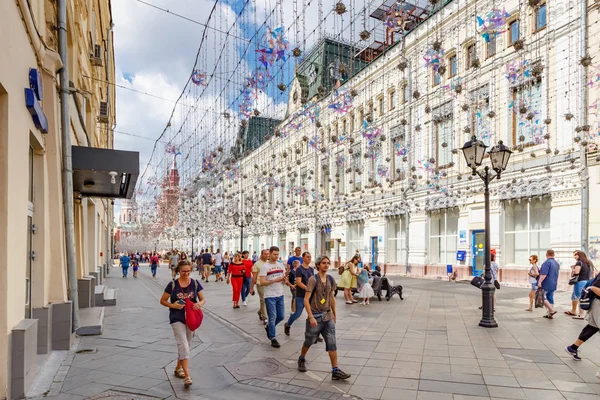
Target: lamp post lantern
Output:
[(474, 151), (242, 224)]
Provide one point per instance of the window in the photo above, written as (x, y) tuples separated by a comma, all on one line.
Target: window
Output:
[(526, 105), (436, 78), (513, 32), (406, 93), (399, 151), (453, 71), (351, 118), (443, 236), (340, 177), (526, 229), (396, 243), (480, 123), (344, 130), (374, 163), (282, 198), (370, 110), (392, 99), (325, 178), (361, 116), (444, 140), (357, 167), (471, 55), (30, 186), (380, 109), (491, 46), (540, 18), (355, 238)]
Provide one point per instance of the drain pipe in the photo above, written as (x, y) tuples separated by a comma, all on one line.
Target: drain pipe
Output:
[(67, 170), (407, 138), (585, 179), (109, 143)]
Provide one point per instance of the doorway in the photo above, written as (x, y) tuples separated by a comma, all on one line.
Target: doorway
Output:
[(374, 252), (478, 251)]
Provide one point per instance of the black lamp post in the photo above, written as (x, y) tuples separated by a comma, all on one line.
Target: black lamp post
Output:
[(155, 244), (474, 151), (171, 238), (191, 233), (238, 222)]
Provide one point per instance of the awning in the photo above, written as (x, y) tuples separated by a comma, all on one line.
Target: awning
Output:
[(101, 172)]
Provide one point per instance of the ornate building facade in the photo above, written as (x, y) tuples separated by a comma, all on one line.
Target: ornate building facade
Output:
[(404, 198)]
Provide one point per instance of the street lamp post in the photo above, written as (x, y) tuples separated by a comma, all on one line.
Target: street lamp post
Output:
[(155, 244), (171, 238), (474, 151), (191, 233), (242, 224)]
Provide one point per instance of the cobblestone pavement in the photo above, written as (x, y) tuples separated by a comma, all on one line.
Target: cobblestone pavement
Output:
[(428, 346)]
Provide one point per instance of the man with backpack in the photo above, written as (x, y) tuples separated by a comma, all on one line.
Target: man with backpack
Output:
[(319, 302)]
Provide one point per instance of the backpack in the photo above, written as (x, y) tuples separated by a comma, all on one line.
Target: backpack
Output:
[(587, 296)]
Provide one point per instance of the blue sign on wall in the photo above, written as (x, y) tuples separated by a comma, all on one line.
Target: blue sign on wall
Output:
[(461, 255), (33, 97)]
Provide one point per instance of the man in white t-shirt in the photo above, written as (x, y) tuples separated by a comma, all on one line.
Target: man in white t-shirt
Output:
[(273, 280), (218, 266)]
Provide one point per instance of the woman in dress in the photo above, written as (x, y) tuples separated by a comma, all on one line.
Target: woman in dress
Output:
[(348, 279), (236, 277), (532, 277), (582, 269), (174, 298), (365, 289)]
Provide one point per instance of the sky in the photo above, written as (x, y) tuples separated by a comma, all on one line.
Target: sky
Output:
[(155, 52)]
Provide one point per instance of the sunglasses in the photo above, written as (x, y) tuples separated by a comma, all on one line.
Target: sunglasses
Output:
[(185, 272)]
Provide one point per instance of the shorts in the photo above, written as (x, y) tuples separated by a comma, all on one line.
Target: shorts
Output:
[(173, 266), (218, 269), (577, 289), (135, 269), (324, 328), (549, 295), (534, 286)]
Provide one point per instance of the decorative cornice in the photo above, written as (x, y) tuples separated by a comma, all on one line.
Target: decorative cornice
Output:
[(393, 211), (531, 188), (441, 202), (355, 216)]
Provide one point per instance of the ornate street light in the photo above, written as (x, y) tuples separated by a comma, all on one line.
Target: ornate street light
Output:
[(242, 224), (474, 151)]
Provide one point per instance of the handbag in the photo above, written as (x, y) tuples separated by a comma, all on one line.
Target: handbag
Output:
[(497, 284), (539, 298), (477, 281), (193, 318), (574, 280)]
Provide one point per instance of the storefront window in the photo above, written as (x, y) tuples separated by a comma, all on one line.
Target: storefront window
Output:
[(526, 229), (443, 236), (396, 243), (355, 238)]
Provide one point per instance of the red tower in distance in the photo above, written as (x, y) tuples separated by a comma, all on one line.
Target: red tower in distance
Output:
[(168, 204)]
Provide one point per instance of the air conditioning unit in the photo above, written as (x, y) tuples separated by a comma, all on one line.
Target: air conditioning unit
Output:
[(103, 116), (96, 56)]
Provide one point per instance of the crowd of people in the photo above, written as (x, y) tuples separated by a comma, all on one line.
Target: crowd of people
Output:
[(313, 289)]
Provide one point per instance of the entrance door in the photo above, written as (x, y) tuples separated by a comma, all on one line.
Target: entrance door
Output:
[(374, 252), (478, 251)]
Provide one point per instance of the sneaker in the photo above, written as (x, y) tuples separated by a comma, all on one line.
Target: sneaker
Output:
[(286, 329), (302, 365), (339, 375), (245, 303), (267, 330), (275, 343), (573, 353)]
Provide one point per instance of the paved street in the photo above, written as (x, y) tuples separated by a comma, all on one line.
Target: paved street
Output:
[(425, 347)]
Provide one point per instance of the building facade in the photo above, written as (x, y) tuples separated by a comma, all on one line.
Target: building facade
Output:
[(402, 196), (36, 311)]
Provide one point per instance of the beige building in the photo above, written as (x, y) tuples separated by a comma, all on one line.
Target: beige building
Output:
[(35, 299)]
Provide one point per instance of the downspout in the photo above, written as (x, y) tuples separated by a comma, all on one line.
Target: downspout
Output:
[(67, 162), (585, 179), (109, 145), (408, 143)]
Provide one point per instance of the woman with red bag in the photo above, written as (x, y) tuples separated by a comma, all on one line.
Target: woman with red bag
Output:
[(236, 274), (177, 293)]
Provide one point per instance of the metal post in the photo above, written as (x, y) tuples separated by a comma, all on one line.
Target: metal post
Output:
[(585, 179), (171, 245), (192, 255), (67, 170), (241, 236), (487, 289)]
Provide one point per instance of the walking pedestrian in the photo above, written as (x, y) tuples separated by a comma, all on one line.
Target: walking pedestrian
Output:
[(348, 279), (262, 311), (533, 276), (226, 262), (248, 278), (136, 266), (218, 266), (198, 261), (302, 274), (124, 261), (593, 319), (254, 258), (294, 257), (174, 298), (173, 260), (319, 301), (236, 277), (291, 274), (154, 264), (272, 277), (207, 263), (582, 271), (549, 281)]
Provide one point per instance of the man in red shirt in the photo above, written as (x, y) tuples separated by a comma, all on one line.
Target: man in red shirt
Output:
[(247, 276), (154, 263)]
